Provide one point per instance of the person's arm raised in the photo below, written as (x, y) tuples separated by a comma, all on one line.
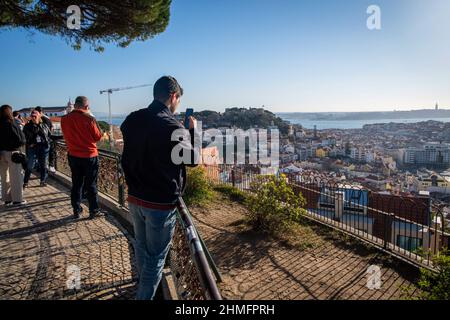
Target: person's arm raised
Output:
[(186, 144), (96, 132)]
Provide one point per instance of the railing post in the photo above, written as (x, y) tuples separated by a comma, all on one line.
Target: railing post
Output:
[(120, 181), (121, 192), (338, 205), (439, 238), (55, 159), (387, 229), (233, 177)]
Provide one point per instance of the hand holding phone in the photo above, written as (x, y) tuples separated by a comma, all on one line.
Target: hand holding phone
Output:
[(188, 114), (192, 123)]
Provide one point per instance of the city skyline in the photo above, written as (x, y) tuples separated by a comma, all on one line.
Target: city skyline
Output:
[(295, 57), (315, 164), (105, 112)]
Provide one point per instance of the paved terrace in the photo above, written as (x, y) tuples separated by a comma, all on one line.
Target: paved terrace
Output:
[(39, 242)]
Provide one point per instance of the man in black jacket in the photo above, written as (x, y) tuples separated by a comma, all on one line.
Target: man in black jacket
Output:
[(154, 160), (37, 134), (44, 118), (52, 152)]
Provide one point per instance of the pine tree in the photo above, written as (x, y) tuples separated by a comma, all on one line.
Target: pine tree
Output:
[(101, 21)]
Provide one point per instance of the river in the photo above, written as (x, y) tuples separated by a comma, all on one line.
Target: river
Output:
[(321, 124)]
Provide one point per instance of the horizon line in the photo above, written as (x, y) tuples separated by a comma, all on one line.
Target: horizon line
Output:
[(298, 112)]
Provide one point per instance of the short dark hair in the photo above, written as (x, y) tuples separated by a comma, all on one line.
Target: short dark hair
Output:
[(38, 109), (81, 101), (165, 87), (16, 113)]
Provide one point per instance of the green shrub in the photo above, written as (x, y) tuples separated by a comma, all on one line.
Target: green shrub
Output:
[(198, 189), (233, 193), (436, 285), (273, 205), (104, 126)]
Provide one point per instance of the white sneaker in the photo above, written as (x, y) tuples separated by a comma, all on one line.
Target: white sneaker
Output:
[(22, 203), (52, 169)]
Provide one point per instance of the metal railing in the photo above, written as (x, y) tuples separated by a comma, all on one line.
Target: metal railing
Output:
[(406, 227), (110, 176), (198, 258), (189, 260)]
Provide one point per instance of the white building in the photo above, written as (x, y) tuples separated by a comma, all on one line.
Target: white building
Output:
[(288, 148), (292, 169), (328, 142), (48, 111), (362, 155), (336, 152), (430, 153)]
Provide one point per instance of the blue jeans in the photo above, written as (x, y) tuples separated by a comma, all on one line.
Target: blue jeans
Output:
[(39, 152), (153, 231)]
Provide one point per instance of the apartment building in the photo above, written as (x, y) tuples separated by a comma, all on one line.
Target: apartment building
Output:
[(362, 155), (432, 183), (429, 154), (405, 222)]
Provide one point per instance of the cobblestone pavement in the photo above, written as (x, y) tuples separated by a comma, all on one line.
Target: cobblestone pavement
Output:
[(42, 248), (254, 267)]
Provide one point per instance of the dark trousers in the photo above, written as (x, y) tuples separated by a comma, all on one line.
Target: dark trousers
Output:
[(52, 154), (39, 153), (84, 173)]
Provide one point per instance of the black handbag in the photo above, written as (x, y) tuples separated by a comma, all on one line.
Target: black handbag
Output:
[(18, 157)]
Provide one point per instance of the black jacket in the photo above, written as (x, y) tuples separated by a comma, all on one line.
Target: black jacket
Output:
[(150, 173), (47, 121), (11, 137), (37, 133)]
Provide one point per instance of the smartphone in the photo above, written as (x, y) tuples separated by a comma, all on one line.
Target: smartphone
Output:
[(189, 112)]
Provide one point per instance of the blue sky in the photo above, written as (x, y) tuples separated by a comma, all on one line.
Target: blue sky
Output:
[(291, 56)]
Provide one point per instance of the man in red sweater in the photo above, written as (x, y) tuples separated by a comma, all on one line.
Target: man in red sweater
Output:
[(81, 133)]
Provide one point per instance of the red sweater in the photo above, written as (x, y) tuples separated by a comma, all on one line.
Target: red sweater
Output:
[(81, 134)]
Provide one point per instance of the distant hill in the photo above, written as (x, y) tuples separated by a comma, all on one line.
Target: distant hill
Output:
[(330, 116), (242, 118)]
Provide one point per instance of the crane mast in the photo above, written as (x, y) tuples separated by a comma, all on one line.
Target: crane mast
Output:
[(109, 92)]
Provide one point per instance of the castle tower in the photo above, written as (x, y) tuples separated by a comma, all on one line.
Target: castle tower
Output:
[(70, 107), (291, 130)]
